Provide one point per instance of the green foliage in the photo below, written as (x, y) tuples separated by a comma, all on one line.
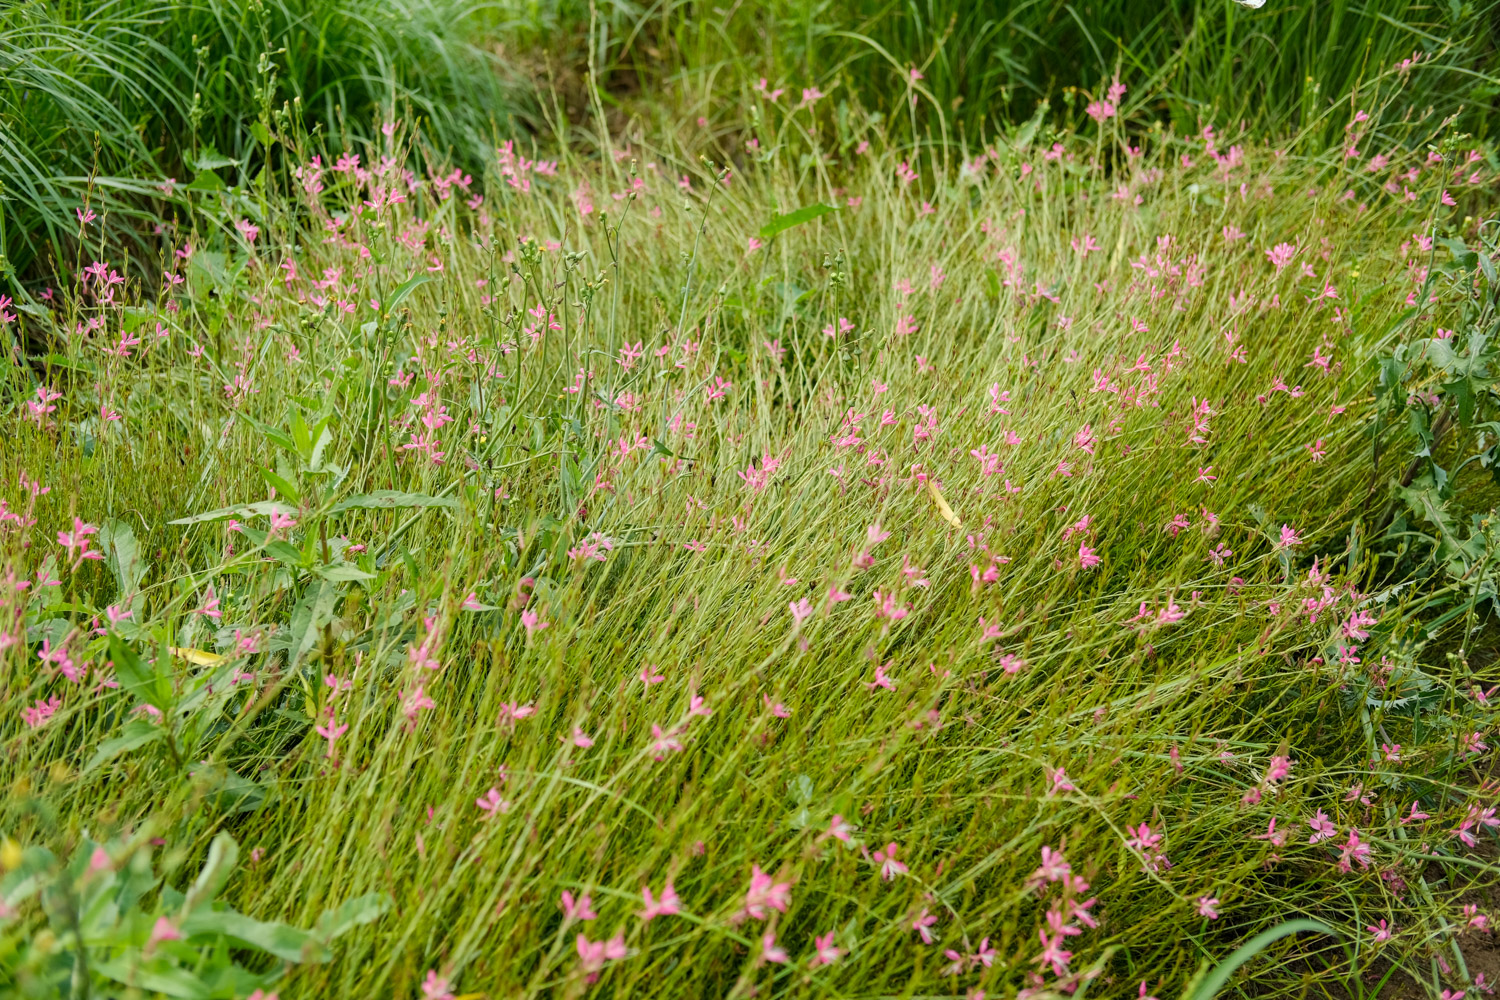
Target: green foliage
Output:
[(470, 552), (103, 102), (106, 921), (987, 63), (1439, 399)]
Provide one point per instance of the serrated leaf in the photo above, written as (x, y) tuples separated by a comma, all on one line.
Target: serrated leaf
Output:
[(782, 223), (209, 158), (310, 615), (206, 180)]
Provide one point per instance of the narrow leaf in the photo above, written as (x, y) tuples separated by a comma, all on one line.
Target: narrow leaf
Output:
[(1219, 976), (401, 291), (782, 223)]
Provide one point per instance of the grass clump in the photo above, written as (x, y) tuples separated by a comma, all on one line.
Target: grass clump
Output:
[(619, 576), (104, 103)]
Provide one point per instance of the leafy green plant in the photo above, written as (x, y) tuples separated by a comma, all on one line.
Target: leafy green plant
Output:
[(103, 921), (1439, 393)]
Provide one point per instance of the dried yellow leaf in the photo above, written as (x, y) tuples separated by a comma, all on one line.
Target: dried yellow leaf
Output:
[(942, 506), (201, 657)]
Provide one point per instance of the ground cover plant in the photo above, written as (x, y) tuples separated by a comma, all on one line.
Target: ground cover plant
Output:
[(769, 556)]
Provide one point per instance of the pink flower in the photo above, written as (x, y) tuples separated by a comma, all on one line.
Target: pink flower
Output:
[(666, 906), (1280, 767), (889, 866), (768, 950), (839, 828), (663, 743), (1086, 557), (492, 803), (1380, 932), (210, 606), (1053, 953), (1322, 827), (1054, 867), (435, 987), (1289, 538), (924, 921), (1281, 255), (164, 930), (578, 909), (1208, 907), (331, 732), (532, 622), (1354, 849), (37, 715), (595, 953), (1100, 111), (511, 713), (826, 953), (765, 892)]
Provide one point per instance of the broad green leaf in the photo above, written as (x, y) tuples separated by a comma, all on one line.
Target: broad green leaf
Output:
[(322, 438), (352, 914), (209, 158), (782, 223), (342, 572), (310, 615), (301, 435), (284, 552), (157, 975), (117, 538), (233, 793), (1027, 132), (390, 500), (222, 854), (282, 940), (206, 180), (136, 734), (141, 680), (401, 291)]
